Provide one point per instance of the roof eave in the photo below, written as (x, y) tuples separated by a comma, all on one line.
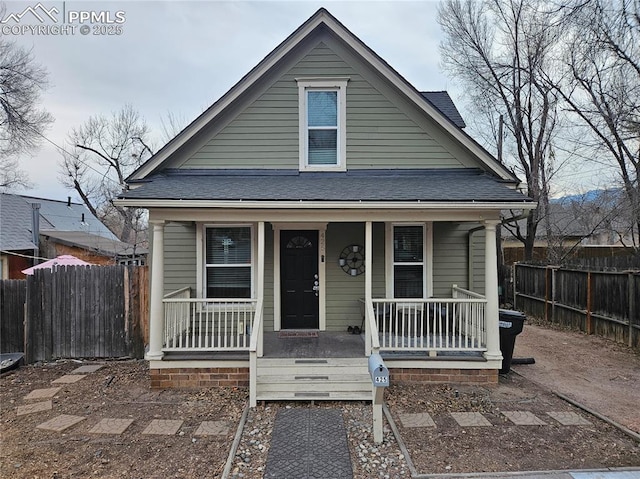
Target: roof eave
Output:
[(359, 205)]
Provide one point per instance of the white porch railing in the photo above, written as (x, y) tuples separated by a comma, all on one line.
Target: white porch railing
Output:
[(255, 351), (435, 324), (200, 324)]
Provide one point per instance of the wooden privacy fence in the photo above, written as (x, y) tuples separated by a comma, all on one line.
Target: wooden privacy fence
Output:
[(13, 294), (596, 302), (83, 312)]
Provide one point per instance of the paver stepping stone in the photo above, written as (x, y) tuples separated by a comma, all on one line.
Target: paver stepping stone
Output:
[(42, 393), (569, 418), (60, 423), (470, 419), (309, 444), (90, 368), (524, 418), (212, 428), (111, 426), (35, 407), (165, 427), (421, 419), (68, 379)]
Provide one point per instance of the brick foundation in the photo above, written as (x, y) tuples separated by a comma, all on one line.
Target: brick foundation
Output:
[(444, 376), (191, 378)]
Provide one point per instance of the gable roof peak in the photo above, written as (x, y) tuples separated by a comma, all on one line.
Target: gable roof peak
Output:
[(322, 17)]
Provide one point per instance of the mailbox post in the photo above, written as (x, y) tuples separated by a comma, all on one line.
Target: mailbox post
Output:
[(379, 380)]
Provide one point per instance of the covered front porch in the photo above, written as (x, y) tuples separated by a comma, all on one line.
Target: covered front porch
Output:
[(456, 330), (402, 328)]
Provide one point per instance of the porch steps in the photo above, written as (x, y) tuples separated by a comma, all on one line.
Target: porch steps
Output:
[(306, 379)]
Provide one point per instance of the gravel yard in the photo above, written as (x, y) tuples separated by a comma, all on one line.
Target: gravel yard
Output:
[(436, 441)]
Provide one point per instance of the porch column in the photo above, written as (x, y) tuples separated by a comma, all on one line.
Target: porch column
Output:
[(156, 308), (261, 251), (491, 291), (368, 273)]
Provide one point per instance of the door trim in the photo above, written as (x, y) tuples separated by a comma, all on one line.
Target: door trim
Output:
[(321, 228)]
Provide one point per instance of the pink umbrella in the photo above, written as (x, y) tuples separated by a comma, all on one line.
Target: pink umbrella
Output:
[(63, 260)]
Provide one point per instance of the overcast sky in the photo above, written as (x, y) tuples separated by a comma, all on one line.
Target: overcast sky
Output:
[(181, 56)]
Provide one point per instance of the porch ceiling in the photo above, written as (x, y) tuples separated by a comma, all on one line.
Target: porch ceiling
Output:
[(434, 185)]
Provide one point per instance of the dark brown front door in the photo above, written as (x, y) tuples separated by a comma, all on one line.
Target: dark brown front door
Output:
[(298, 276)]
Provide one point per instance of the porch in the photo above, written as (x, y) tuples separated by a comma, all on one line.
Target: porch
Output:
[(457, 330), (396, 328), (327, 365)]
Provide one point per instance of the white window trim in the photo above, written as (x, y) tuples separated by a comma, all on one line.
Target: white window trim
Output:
[(427, 254), (333, 84), (201, 269)]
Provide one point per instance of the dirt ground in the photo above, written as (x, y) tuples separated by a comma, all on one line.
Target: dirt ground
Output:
[(503, 446), (596, 372), (121, 390)]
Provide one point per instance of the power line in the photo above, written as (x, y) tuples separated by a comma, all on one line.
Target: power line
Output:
[(77, 157), (24, 255)]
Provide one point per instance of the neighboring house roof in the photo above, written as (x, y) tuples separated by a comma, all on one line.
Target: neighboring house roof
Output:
[(98, 244), (322, 19), (15, 223), (443, 102), (580, 217), (57, 218), (356, 185), (68, 216)]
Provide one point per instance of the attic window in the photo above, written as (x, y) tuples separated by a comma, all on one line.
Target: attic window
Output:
[(322, 110)]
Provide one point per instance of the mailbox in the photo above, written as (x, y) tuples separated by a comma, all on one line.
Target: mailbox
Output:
[(378, 371)]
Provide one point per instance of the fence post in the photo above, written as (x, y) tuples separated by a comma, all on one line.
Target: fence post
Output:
[(514, 283), (27, 330), (554, 270), (546, 294), (631, 291), (589, 291)]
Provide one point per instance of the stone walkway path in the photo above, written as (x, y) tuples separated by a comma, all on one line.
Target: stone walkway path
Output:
[(476, 419), (107, 426)]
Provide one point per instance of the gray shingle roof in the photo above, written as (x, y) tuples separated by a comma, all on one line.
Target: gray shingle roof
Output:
[(99, 244), (443, 102), (357, 185), (16, 223)]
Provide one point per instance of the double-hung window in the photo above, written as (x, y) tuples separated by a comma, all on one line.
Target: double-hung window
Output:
[(322, 110), (409, 261), (228, 262)]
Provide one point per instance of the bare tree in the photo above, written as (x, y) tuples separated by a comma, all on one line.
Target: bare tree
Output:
[(105, 150), (498, 50), (11, 175), (590, 218), (22, 123), (172, 124), (602, 89)]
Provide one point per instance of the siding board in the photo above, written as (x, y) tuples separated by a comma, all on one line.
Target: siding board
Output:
[(381, 133), (179, 256)]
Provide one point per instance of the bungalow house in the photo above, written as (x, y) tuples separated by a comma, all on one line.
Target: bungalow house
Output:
[(323, 195)]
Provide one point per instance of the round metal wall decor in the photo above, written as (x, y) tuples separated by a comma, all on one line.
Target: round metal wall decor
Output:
[(352, 260)]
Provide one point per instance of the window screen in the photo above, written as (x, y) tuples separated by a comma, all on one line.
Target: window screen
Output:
[(228, 262), (322, 124)]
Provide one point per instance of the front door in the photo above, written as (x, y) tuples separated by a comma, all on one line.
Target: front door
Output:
[(299, 279)]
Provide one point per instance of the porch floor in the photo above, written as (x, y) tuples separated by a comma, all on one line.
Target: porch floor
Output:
[(328, 344)]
